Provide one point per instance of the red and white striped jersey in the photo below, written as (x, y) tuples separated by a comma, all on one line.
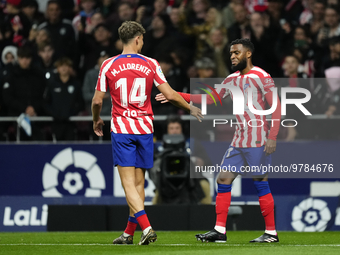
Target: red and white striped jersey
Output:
[(130, 78), (247, 134)]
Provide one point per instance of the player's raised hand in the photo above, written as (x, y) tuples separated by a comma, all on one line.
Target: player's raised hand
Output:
[(270, 147), (196, 112), (98, 127), (161, 97)]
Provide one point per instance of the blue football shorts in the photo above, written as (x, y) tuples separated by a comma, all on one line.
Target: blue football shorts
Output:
[(246, 160), (132, 150)]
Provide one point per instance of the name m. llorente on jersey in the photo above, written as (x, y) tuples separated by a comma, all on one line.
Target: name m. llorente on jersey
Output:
[(132, 112)]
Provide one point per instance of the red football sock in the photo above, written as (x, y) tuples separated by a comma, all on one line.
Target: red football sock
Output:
[(222, 208), (267, 210), (142, 219), (131, 227)]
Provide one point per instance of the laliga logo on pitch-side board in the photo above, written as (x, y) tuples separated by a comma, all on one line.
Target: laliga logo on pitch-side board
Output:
[(72, 181)]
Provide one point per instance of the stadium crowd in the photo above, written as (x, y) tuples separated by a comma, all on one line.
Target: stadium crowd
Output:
[(51, 52)]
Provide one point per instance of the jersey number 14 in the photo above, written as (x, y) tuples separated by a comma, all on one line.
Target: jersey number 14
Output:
[(138, 87)]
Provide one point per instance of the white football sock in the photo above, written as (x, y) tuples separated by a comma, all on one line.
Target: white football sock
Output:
[(271, 232), (220, 229), (145, 231), (125, 235)]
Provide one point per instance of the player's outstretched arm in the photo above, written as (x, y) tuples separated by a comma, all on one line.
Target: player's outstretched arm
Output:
[(97, 102), (195, 98), (173, 97), (186, 96)]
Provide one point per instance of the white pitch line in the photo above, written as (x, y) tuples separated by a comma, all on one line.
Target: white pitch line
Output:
[(199, 244)]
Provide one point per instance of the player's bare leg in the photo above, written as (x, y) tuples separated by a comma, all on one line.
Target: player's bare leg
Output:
[(136, 202), (127, 176), (127, 236), (223, 198), (147, 236), (139, 183), (267, 209), (128, 179)]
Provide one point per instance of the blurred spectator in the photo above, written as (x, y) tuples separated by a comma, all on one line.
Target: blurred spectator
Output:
[(107, 7), (61, 31), (305, 65), (91, 45), (46, 59), (316, 105), (331, 58), (173, 78), (5, 34), (184, 40), (240, 29), (31, 10), (197, 12), (228, 17), (175, 17), (217, 49), (63, 99), (9, 55), (157, 39), (291, 69), (181, 58), (39, 36), (317, 21), (83, 19), (9, 59), (331, 27), (301, 38), (172, 68), (171, 73), (264, 42), (213, 19), (276, 11), (125, 12), (23, 90), (96, 19), (91, 78), (18, 21), (205, 68), (334, 56), (307, 14), (145, 14), (89, 85), (298, 41)]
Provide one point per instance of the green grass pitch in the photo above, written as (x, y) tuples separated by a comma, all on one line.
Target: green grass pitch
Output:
[(169, 242)]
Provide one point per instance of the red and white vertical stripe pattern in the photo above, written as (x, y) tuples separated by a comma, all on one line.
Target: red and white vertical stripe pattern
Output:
[(251, 129), (130, 79)]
